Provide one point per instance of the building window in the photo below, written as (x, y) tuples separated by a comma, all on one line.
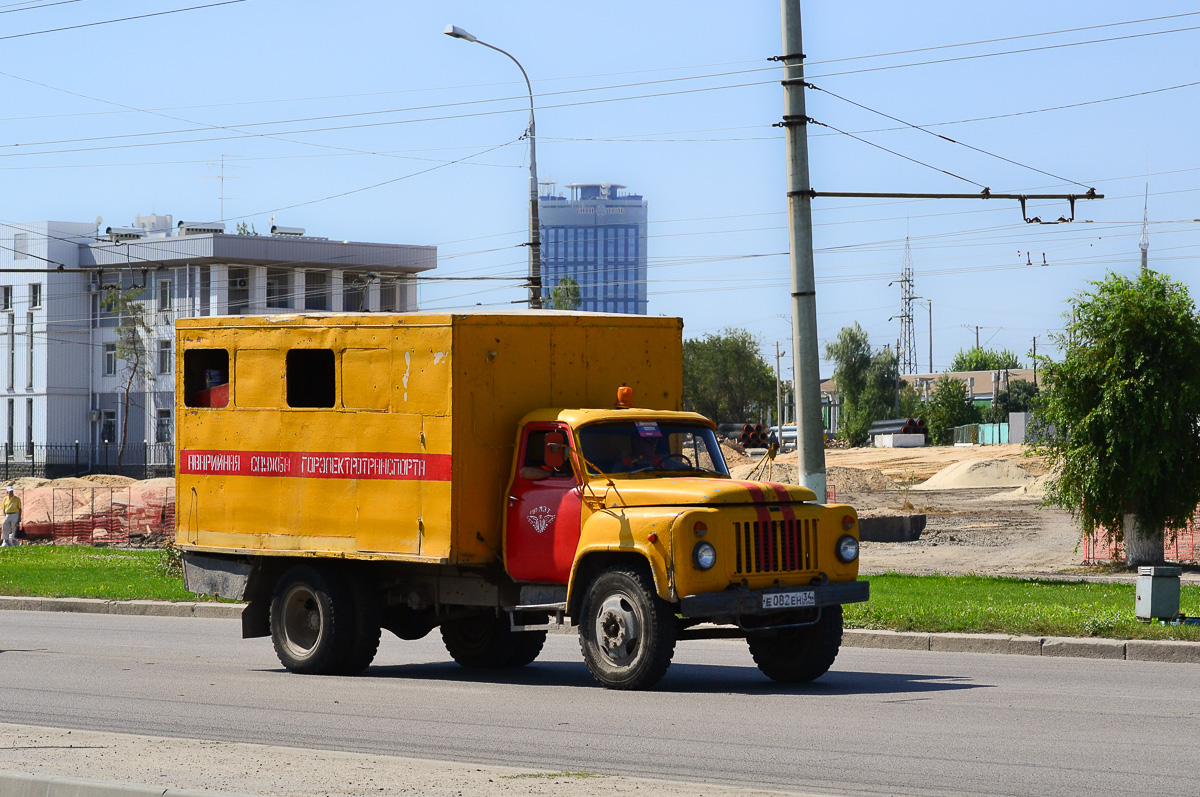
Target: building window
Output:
[(162, 427), (21, 246), (29, 427), (108, 426), (6, 297), (354, 292), (110, 359), (278, 287), (164, 295), (387, 297), (316, 290), (239, 290), (205, 288), (29, 351), (35, 295), (164, 356)]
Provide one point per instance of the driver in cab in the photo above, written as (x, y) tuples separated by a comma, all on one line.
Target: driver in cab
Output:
[(644, 455)]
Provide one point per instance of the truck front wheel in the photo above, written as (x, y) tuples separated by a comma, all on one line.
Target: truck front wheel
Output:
[(627, 633), (312, 620), (799, 655)]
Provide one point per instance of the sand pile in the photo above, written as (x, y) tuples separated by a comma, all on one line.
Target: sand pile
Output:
[(858, 480), (978, 473), (734, 455), (772, 472)]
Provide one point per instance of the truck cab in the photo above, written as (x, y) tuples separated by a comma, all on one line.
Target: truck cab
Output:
[(646, 495)]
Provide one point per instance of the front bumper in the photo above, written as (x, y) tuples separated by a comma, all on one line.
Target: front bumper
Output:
[(743, 601)]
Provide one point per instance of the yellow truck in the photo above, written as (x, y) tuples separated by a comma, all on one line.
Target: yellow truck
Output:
[(490, 475)]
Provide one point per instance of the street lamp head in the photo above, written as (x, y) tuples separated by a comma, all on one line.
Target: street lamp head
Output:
[(458, 33)]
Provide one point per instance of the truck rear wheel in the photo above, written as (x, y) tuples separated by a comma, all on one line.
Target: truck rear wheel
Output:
[(480, 641), (627, 633), (364, 643), (799, 655), (484, 641), (312, 620)]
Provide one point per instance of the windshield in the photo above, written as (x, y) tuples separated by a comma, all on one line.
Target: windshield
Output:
[(647, 446)]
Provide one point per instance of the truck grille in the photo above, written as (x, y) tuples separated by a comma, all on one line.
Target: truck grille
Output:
[(776, 546)]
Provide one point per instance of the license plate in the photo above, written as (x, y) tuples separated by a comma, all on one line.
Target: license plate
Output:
[(789, 600)]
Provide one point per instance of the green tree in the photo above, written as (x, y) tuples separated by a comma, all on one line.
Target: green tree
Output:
[(726, 379), (911, 405), (976, 359), (1019, 397), (132, 332), (565, 295), (865, 380), (246, 229), (1121, 412), (949, 405)]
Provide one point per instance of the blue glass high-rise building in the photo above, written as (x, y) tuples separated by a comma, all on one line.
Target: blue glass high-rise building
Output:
[(598, 238)]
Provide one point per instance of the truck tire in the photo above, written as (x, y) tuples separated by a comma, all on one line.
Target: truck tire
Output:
[(799, 655), (529, 645), (480, 641), (627, 633), (312, 620), (364, 643)]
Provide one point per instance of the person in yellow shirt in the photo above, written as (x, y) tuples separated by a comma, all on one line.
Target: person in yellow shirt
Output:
[(11, 507)]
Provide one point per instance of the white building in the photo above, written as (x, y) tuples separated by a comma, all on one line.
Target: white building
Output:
[(61, 379)]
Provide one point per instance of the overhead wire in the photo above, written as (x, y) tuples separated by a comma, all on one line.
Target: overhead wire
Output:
[(942, 137), (121, 19)]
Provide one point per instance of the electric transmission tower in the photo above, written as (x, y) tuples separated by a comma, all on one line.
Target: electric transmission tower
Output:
[(907, 355)]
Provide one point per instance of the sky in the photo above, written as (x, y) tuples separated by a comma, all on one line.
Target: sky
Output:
[(362, 121)]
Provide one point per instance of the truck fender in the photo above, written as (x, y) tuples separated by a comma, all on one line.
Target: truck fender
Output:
[(623, 535)]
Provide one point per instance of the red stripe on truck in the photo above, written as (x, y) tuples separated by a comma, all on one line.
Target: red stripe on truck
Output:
[(317, 465)]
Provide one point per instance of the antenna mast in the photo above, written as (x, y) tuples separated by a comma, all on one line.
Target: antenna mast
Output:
[(907, 353)]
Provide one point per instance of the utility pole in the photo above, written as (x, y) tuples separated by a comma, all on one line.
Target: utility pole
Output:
[(778, 394), (810, 437), (930, 335), (1035, 360), (968, 327)]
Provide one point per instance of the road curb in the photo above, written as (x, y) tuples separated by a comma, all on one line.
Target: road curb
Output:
[(20, 784), (1166, 651), (137, 608)]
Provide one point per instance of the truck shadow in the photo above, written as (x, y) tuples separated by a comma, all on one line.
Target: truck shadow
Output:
[(689, 678)]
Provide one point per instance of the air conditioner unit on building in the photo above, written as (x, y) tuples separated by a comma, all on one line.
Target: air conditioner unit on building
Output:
[(239, 283)]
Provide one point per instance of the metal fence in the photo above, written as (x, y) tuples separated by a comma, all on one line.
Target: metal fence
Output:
[(984, 434), (134, 515), (138, 460)]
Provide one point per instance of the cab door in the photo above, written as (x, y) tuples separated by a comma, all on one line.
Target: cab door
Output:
[(541, 526)]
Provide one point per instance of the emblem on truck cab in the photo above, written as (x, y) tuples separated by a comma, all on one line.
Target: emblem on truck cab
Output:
[(540, 518)]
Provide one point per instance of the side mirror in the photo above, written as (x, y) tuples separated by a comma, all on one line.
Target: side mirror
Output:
[(556, 450)]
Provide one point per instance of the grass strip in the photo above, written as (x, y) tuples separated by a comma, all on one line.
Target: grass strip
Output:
[(1016, 606), (79, 571)]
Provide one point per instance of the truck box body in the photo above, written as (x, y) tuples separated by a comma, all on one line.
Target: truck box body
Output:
[(385, 436)]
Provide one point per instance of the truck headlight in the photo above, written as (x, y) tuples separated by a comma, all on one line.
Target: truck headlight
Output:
[(704, 556), (847, 549)]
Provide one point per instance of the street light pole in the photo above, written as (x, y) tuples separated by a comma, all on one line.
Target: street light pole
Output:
[(535, 228)]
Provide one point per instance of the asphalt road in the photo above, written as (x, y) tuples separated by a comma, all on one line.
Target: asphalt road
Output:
[(882, 722)]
